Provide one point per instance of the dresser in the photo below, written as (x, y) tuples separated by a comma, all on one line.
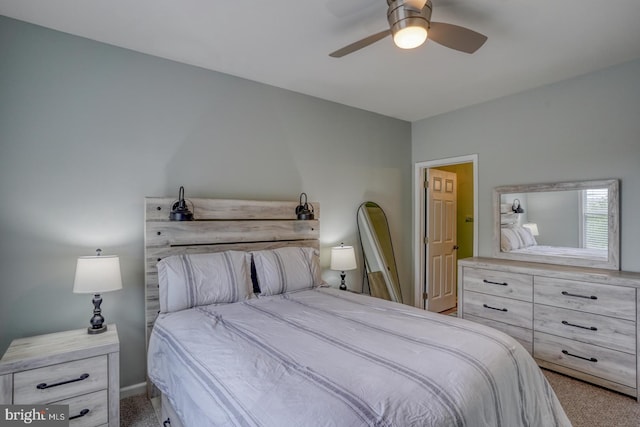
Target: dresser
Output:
[(66, 368), (579, 321)]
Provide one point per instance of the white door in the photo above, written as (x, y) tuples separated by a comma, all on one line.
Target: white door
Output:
[(441, 240)]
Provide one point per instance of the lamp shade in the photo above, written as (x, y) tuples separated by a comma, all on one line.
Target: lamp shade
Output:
[(343, 258), (96, 274)]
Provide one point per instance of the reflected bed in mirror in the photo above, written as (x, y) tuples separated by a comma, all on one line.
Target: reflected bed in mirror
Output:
[(380, 262), (567, 223)]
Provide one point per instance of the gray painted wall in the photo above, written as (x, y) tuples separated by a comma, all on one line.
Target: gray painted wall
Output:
[(583, 128), (87, 130), (558, 217)]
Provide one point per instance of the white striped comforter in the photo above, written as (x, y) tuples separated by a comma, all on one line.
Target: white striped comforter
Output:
[(332, 358)]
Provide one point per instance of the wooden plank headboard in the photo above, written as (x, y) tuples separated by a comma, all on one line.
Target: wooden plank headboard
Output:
[(219, 225)]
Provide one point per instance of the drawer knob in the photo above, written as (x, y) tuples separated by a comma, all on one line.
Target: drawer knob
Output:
[(591, 328), (81, 414), (588, 359), (568, 294), (44, 386), (495, 308), (495, 283)]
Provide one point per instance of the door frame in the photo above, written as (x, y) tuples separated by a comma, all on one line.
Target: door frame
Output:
[(419, 231)]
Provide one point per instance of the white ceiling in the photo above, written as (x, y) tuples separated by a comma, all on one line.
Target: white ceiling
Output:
[(285, 43)]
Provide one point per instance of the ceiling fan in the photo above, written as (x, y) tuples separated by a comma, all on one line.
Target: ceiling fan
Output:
[(410, 23)]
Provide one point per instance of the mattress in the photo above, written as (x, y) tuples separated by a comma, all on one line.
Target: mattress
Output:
[(333, 358)]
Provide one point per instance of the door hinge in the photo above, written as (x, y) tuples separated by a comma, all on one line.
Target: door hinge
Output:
[(426, 184), (426, 240), (425, 296)]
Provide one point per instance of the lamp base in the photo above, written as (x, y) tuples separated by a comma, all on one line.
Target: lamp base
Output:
[(97, 321), (343, 286), (93, 331)]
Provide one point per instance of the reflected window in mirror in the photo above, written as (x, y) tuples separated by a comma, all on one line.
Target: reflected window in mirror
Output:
[(594, 224)]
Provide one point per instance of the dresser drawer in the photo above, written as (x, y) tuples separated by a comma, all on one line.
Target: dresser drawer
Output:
[(522, 335), (608, 300), (593, 360), (94, 406), (506, 310), (60, 381), (510, 285), (617, 334)]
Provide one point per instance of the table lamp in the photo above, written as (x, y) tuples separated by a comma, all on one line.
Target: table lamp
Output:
[(94, 275), (343, 258)]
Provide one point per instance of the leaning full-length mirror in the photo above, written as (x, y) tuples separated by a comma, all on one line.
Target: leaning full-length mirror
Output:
[(380, 262)]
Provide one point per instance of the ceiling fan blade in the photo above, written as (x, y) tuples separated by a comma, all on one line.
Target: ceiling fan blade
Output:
[(456, 37), (360, 44)]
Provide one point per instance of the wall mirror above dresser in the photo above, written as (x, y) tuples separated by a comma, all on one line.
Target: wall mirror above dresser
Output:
[(565, 223)]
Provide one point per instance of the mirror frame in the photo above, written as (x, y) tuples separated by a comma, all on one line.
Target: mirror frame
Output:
[(613, 259)]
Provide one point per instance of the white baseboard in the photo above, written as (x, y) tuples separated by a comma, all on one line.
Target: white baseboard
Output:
[(133, 390)]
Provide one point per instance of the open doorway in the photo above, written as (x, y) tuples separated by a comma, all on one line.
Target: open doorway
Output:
[(435, 264)]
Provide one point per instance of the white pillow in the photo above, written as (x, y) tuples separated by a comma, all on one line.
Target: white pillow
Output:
[(510, 240), (526, 236), (287, 269), (188, 281)]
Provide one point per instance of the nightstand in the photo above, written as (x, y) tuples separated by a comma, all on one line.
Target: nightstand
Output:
[(66, 368)]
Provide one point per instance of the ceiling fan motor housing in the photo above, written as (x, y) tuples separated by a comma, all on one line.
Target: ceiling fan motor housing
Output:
[(401, 14)]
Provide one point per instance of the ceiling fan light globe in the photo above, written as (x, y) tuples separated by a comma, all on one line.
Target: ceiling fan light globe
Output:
[(410, 37)]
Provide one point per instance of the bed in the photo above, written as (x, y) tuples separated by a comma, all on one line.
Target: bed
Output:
[(299, 353), (517, 239)]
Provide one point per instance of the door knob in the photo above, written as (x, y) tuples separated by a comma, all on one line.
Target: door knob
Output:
[(456, 247)]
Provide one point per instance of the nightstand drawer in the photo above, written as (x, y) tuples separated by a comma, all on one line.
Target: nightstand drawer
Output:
[(94, 406), (617, 334), (593, 360), (506, 310), (61, 381), (500, 283)]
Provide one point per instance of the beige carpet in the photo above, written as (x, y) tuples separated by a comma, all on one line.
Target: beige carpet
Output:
[(586, 406), (136, 411), (591, 406)]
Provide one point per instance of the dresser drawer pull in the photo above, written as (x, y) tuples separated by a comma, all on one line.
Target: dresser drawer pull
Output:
[(588, 359), (591, 328), (494, 308), (81, 414), (43, 386), (579, 296), (495, 283)]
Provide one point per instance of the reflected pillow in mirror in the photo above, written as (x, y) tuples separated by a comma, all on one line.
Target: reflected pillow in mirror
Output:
[(510, 240), (526, 236), (287, 269), (187, 281)]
